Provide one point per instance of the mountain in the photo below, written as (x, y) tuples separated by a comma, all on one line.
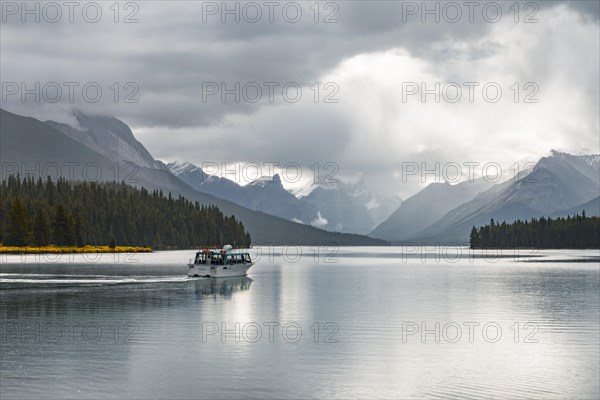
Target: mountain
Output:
[(592, 209), (265, 194), (557, 182), (268, 194), (426, 207), (194, 176), (110, 137), (189, 173), (339, 210), (28, 145), (379, 207), (340, 207), (348, 207)]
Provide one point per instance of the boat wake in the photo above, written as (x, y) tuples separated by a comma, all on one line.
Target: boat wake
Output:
[(8, 279)]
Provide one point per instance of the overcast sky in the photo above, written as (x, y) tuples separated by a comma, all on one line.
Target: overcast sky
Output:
[(369, 58)]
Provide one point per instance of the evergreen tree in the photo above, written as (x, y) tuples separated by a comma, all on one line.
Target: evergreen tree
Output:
[(78, 230), (577, 232), (94, 213), (474, 238), (63, 227), (18, 225), (156, 241), (41, 229), (3, 218)]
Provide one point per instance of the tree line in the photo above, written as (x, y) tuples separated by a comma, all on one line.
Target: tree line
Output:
[(577, 232), (67, 213)]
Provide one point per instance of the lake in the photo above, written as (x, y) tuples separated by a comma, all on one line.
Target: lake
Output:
[(363, 322)]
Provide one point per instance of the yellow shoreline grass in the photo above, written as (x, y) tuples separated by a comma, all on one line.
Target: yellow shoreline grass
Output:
[(72, 249)]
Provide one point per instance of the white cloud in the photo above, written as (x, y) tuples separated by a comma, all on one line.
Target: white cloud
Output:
[(319, 221), (372, 131)]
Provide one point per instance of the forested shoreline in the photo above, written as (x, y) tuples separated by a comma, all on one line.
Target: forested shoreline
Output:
[(577, 232), (63, 213)]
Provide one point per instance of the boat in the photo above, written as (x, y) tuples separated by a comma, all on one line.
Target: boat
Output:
[(218, 263)]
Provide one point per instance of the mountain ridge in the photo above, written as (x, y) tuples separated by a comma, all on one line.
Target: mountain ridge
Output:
[(425, 207), (557, 182), (26, 140), (330, 207)]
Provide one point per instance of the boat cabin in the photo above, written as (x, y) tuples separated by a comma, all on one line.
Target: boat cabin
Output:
[(222, 257)]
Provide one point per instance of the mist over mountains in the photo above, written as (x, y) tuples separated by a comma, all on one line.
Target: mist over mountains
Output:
[(110, 137), (338, 207), (105, 149), (265, 194), (426, 207), (558, 185)]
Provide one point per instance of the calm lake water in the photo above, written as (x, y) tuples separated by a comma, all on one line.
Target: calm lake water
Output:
[(349, 323)]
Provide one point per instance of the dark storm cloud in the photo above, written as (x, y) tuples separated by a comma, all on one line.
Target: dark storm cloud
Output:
[(171, 52)]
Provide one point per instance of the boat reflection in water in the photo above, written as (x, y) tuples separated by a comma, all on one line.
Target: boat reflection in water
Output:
[(223, 287)]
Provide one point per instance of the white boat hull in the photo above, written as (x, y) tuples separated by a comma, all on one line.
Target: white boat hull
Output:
[(218, 271), (198, 270)]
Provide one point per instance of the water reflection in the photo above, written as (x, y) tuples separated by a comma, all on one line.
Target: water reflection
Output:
[(42, 299), (224, 287), (145, 335)]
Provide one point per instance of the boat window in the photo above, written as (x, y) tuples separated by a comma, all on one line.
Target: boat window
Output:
[(217, 259)]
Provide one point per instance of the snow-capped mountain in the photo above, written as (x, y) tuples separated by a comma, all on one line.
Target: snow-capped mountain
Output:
[(193, 174), (340, 207), (26, 141), (558, 182), (110, 137), (265, 194), (268, 195)]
